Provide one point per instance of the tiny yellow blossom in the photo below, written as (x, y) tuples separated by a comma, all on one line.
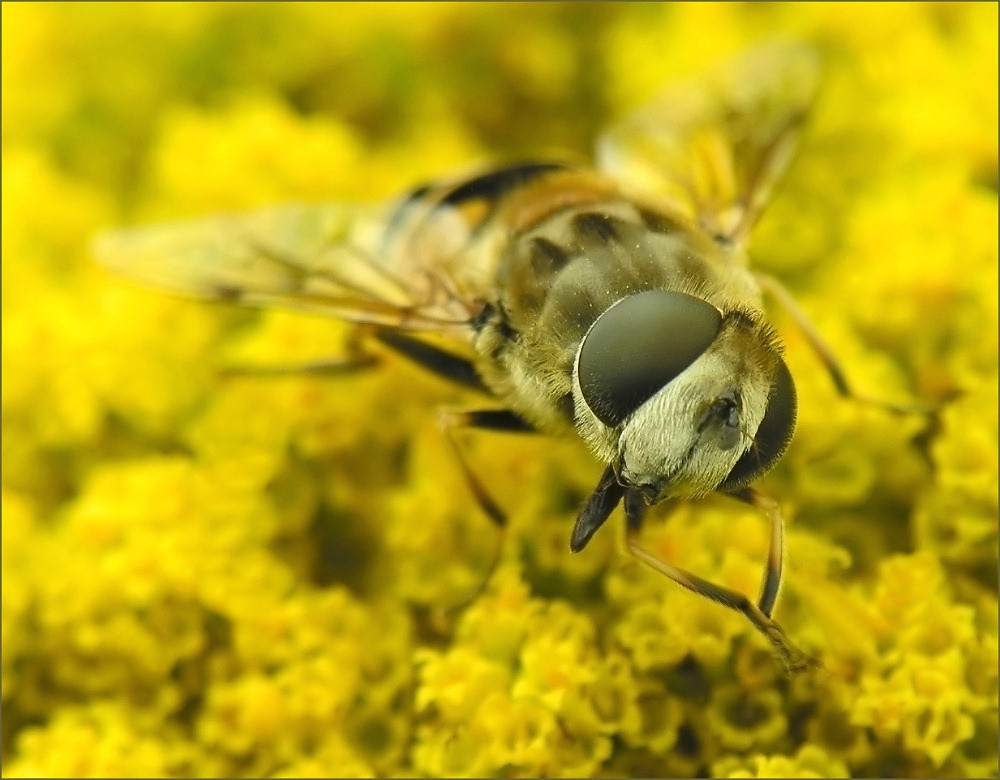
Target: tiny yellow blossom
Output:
[(208, 572)]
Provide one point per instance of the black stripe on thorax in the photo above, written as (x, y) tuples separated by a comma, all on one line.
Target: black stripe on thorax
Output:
[(486, 188), (495, 184)]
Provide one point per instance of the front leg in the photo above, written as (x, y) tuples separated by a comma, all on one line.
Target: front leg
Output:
[(358, 356), (825, 354), (759, 614), (446, 365), (502, 420), (771, 585)]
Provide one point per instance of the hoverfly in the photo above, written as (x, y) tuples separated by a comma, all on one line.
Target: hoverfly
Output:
[(615, 302)]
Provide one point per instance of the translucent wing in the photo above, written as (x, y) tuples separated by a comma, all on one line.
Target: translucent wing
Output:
[(325, 258), (714, 147)]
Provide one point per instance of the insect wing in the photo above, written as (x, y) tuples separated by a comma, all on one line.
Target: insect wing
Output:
[(315, 257), (713, 148)]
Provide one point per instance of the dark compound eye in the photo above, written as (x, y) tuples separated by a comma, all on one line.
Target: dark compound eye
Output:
[(639, 345), (773, 435)]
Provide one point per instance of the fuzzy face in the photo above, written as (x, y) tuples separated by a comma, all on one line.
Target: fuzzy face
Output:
[(688, 436)]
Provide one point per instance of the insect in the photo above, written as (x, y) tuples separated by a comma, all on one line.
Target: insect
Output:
[(617, 302)]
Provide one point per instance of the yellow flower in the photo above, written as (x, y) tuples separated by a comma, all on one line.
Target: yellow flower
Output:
[(239, 575)]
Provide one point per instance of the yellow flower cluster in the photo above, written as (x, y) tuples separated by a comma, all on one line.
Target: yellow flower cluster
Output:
[(284, 576)]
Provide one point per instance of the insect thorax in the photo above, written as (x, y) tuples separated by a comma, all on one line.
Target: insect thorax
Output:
[(557, 276)]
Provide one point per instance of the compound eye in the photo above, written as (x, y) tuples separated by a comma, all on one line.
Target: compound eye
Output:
[(773, 435), (639, 345)]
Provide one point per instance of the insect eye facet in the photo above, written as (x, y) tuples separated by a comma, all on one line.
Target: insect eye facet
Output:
[(639, 345), (773, 435)]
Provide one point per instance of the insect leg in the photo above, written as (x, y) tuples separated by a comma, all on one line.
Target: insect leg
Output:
[(499, 420), (503, 420), (441, 362), (795, 660), (823, 351), (771, 586), (356, 358), (331, 367)]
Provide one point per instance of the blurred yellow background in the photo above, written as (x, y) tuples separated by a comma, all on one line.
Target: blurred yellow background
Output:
[(267, 577)]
